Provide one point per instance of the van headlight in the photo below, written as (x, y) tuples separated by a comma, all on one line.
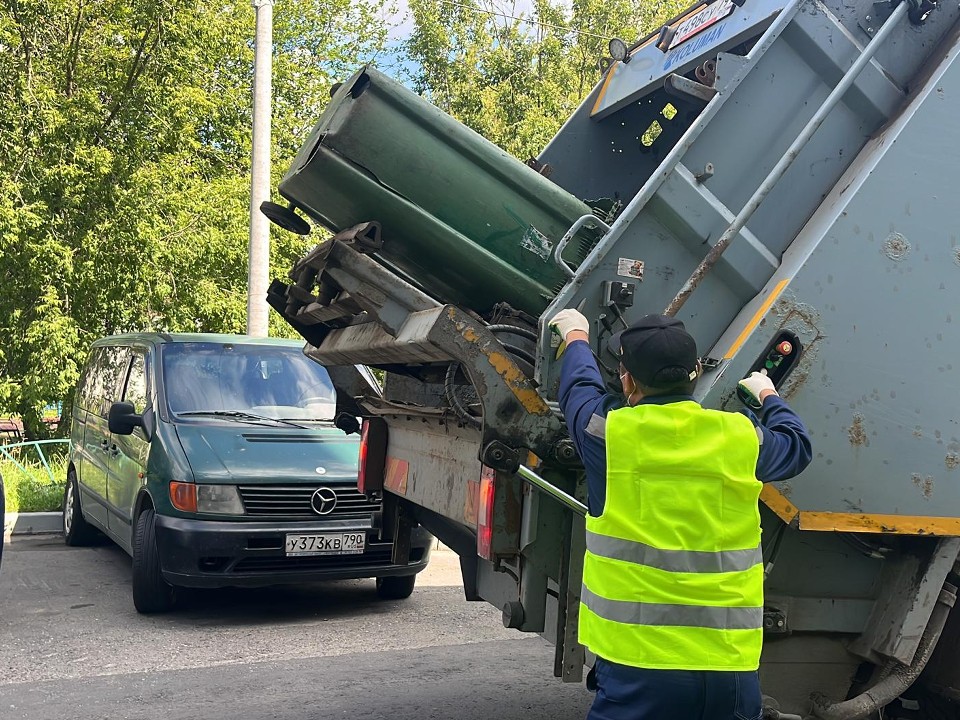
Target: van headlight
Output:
[(222, 499)]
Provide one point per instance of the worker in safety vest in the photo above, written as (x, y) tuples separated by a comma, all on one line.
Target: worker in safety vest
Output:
[(672, 597)]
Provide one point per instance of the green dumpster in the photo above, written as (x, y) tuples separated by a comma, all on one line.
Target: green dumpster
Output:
[(462, 218)]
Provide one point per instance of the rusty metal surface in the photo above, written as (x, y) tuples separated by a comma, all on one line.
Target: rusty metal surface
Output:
[(909, 587), (444, 471), (514, 413), (570, 654)]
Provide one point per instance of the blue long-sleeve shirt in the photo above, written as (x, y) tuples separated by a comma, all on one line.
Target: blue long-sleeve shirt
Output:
[(785, 448)]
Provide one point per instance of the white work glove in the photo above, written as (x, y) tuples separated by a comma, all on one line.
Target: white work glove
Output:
[(758, 386), (566, 321)]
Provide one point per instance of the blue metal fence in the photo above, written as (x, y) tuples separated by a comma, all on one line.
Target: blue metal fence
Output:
[(18, 453)]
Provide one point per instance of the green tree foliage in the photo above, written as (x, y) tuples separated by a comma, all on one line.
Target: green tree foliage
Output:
[(124, 167), (514, 77)]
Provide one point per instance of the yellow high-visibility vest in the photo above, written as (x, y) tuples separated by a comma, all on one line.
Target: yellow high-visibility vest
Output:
[(673, 572)]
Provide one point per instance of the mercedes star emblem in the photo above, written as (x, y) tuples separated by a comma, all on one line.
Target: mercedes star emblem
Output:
[(324, 500)]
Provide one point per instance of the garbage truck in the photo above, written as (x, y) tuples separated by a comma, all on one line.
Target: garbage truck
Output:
[(775, 173)]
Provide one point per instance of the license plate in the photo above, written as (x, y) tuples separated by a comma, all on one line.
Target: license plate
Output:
[(710, 15), (348, 543)]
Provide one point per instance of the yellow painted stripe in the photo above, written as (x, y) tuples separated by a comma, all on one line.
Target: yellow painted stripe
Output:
[(856, 522), (606, 84), (776, 501), (755, 320), (875, 523)]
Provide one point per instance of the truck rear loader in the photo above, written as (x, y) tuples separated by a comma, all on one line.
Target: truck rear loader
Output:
[(777, 174)]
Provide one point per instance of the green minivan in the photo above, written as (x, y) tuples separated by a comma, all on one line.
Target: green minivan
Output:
[(214, 461)]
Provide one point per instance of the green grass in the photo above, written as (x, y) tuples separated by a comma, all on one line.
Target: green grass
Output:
[(33, 491)]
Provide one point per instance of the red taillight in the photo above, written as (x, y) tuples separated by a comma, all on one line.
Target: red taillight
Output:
[(488, 478), (183, 496), (373, 450), (362, 470)]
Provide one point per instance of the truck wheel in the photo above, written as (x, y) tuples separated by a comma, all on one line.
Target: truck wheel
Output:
[(76, 530), (396, 588), (151, 593)]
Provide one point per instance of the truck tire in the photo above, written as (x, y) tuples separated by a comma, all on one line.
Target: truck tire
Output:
[(151, 593), (77, 532), (396, 588)]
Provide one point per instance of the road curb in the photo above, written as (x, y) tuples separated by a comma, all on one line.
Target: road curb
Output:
[(34, 523)]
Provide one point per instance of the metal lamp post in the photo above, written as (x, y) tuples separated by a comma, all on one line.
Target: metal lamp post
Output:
[(259, 257)]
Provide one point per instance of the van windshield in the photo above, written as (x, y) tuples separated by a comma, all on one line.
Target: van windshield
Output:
[(260, 380)]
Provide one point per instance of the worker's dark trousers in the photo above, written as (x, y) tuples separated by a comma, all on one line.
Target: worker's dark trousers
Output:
[(629, 693)]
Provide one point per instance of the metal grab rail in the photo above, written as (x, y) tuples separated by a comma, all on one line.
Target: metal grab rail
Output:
[(553, 491), (785, 161), (581, 222)]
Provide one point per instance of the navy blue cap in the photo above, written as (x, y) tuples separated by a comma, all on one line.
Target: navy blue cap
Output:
[(657, 350)]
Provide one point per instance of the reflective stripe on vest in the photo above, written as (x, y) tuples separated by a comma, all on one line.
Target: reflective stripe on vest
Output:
[(639, 613), (681, 561), (673, 574)]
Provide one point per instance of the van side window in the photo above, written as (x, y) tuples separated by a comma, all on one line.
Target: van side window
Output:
[(87, 385), (107, 368), (135, 391)]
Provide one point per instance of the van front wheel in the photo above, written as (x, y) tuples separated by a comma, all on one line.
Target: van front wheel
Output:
[(396, 588), (151, 593)]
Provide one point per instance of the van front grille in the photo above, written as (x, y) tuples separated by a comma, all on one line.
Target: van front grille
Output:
[(295, 501)]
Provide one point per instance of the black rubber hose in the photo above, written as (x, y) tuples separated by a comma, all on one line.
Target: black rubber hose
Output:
[(453, 400), (516, 330), (519, 352)]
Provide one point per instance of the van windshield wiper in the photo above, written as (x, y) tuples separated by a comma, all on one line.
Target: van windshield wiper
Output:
[(239, 415)]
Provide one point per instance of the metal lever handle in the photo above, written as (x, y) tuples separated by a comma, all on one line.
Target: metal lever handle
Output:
[(556, 493)]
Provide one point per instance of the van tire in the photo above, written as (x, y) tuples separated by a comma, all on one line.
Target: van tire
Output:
[(396, 588), (77, 532), (151, 593)]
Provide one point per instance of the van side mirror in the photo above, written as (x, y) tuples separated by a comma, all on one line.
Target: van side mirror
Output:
[(123, 418)]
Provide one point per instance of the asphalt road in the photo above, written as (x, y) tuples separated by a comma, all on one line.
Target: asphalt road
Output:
[(72, 646)]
